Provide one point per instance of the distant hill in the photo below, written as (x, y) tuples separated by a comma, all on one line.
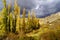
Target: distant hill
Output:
[(50, 18)]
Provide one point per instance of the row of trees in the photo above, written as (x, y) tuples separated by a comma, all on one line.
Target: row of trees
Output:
[(14, 23)]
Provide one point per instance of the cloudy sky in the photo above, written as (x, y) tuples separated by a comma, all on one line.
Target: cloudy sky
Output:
[(41, 7)]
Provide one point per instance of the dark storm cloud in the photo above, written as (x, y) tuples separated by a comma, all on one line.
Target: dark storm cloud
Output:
[(41, 7), (47, 7)]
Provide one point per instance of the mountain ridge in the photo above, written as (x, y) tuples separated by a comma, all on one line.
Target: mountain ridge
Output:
[(50, 18)]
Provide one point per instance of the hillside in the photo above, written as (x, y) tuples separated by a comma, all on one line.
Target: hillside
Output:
[(50, 18), (52, 26)]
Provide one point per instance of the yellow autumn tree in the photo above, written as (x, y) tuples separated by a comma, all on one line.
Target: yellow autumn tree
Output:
[(18, 20), (5, 14), (29, 23), (29, 16), (35, 21), (11, 21), (15, 15), (8, 20), (22, 29), (4, 2), (9, 7), (24, 13)]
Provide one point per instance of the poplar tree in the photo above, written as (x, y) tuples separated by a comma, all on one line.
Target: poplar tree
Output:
[(29, 16), (11, 21), (35, 21), (29, 23), (9, 8), (29, 19), (18, 20), (15, 16), (4, 2), (24, 12), (4, 11), (22, 30)]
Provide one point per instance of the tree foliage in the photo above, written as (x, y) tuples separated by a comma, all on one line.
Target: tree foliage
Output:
[(12, 22)]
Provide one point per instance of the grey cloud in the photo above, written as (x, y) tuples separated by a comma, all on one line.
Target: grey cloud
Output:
[(41, 7), (47, 7)]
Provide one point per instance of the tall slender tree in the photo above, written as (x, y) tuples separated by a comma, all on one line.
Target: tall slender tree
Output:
[(4, 11), (22, 30), (11, 21), (15, 16), (34, 21), (29, 19), (29, 23), (24, 11), (18, 20), (4, 2), (9, 8)]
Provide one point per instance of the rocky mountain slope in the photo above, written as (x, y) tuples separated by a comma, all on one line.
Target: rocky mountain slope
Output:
[(50, 18)]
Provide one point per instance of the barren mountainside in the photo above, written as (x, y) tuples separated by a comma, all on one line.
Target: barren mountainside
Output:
[(50, 18)]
